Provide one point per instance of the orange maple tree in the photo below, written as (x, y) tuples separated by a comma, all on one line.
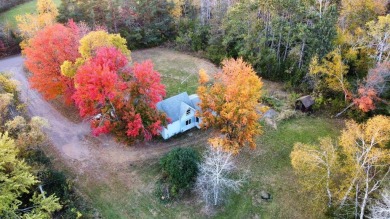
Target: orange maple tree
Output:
[(46, 52), (230, 104)]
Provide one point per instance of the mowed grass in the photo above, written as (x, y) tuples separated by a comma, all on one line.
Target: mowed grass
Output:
[(28, 7), (179, 72), (270, 170), (134, 197)]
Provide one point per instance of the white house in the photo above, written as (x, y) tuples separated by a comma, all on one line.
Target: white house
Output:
[(181, 110)]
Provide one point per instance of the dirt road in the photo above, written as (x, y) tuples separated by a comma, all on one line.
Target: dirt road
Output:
[(73, 140)]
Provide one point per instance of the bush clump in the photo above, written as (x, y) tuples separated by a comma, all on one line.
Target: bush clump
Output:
[(180, 169)]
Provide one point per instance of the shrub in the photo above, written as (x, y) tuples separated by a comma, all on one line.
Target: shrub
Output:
[(273, 102), (180, 169), (288, 114)]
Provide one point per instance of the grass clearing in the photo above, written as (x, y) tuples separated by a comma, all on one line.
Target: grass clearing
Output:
[(28, 7), (179, 72), (116, 195), (271, 171)]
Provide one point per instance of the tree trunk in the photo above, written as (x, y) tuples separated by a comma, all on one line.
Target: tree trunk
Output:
[(302, 52)]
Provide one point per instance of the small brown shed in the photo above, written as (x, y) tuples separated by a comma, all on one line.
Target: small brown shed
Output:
[(304, 103)]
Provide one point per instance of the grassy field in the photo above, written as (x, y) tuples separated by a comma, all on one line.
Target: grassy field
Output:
[(270, 170), (179, 71), (28, 7)]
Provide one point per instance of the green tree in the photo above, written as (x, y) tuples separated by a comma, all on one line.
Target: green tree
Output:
[(180, 168), (93, 12), (279, 37), (152, 26)]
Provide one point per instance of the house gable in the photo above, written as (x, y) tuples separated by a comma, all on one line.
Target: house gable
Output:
[(172, 105), (181, 109)]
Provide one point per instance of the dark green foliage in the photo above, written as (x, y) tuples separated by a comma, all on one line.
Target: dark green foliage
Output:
[(151, 26), (9, 42), (180, 168), (272, 102), (192, 36), (143, 23), (92, 12), (55, 182), (279, 41)]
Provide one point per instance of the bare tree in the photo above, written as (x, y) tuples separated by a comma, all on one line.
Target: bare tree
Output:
[(381, 208), (214, 180)]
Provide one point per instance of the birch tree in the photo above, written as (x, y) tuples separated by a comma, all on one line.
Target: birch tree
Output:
[(214, 180), (348, 174), (316, 165), (333, 70), (379, 37), (381, 208)]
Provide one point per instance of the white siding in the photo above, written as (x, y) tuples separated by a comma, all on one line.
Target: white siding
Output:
[(184, 118), (198, 123), (172, 129)]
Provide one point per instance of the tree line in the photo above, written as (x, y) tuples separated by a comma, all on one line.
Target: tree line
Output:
[(337, 50)]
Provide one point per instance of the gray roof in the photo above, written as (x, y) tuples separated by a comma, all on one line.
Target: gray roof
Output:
[(174, 105), (307, 100), (195, 101)]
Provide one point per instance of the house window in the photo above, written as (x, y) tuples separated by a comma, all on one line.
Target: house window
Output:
[(188, 112), (188, 122), (197, 119)]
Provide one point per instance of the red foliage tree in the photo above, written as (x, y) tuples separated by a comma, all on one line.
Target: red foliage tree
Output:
[(44, 55), (99, 88), (146, 91), (119, 98), (365, 100), (373, 87)]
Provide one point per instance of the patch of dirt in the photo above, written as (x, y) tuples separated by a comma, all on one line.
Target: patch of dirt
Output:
[(275, 89), (68, 111)]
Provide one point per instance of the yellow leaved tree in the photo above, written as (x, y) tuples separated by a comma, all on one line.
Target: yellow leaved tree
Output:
[(379, 37), (18, 181), (177, 8), (347, 173), (30, 24), (88, 46), (333, 70), (230, 104)]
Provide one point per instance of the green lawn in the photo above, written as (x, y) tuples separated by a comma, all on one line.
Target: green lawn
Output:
[(179, 72), (270, 170), (28, 7)]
